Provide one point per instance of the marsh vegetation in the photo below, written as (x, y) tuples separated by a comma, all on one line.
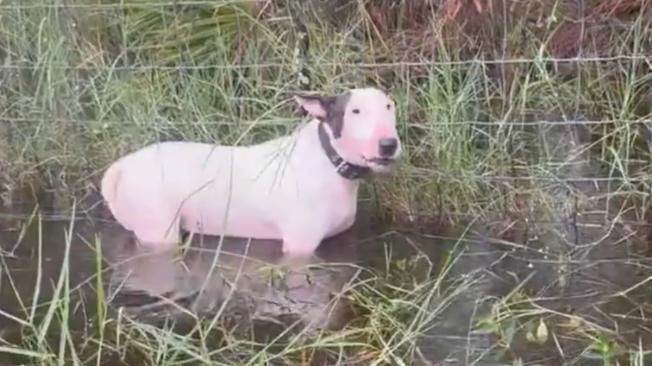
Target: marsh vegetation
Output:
[(515, 230)]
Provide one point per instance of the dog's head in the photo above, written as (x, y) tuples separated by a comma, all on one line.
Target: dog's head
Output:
[(361, 124)]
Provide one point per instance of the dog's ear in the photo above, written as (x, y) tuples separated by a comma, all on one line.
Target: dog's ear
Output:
[(315, 105)]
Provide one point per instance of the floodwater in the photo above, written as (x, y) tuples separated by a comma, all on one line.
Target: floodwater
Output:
[(575, 267), (593, 275), (238, 279)]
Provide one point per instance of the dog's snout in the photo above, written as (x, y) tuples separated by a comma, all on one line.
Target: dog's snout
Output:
[(387, 146)]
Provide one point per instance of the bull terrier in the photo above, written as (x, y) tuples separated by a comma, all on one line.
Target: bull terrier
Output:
[(300, 188)]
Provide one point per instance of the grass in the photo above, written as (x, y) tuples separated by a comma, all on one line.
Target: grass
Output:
[(81, 86), (75, 105), (55, 330), (404, 305)]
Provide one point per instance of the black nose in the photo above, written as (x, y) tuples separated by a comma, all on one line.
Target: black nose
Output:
[(387, 147)]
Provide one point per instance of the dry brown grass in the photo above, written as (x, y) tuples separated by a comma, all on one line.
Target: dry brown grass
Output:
[(494, 29)]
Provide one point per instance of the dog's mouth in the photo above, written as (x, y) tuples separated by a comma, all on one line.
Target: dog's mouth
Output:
[(381, 161)]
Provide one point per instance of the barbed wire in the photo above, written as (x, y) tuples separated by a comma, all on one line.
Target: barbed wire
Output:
[(124, 4), (285, 121), (424, 125), (632, 57)]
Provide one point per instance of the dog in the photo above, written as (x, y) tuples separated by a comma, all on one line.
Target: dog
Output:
[(300, 188)]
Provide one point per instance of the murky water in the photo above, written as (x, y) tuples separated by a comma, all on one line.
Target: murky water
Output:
[(595, 278), (576, 268), (241, 281)]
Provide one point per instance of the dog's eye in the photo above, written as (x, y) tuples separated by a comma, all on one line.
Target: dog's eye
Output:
[(356, 111), (389, 106)]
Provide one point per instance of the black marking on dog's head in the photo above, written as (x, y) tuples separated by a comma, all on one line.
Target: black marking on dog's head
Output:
[(335, 107), (336, 113)]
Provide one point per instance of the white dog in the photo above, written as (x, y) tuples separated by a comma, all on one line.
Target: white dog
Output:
[(300, 188)]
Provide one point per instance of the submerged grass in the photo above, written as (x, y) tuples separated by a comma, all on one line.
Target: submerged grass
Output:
[(403, 308), (394, 308)]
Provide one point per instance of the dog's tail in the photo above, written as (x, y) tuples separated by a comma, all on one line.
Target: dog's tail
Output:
[(109, 185)]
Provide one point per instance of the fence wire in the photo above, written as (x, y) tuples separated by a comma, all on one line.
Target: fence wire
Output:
[(42, 4), (364, 65), (426, 125), (96, 64)]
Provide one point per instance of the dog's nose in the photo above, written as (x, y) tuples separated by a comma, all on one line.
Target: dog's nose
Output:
[(387, 146)]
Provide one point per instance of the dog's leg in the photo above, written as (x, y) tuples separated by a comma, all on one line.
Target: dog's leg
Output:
[(298, 251), (301, 239), (158, 231), (299, 248)]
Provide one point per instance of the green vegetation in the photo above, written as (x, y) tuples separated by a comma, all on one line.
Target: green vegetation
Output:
[(84, 82)]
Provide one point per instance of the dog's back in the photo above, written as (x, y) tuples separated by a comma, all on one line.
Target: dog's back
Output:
[(194, 186)]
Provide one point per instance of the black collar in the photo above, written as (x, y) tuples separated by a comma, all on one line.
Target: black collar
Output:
[(344, 168)]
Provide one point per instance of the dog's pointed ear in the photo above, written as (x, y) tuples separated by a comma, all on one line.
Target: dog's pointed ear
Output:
[(315, 105)]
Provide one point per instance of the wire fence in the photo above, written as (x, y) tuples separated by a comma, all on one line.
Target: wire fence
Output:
[(24, 5), (485, 154), (374, 65), (286, 121), (97, 63)]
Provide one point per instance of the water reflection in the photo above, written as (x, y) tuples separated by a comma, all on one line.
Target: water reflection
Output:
[(230, 277)]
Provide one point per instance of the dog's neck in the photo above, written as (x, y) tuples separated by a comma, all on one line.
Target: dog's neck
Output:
[(345, 169)]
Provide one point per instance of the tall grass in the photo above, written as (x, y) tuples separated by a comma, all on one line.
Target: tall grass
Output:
[(78, 93), (63, 325), (405, 307), (73, 103)]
